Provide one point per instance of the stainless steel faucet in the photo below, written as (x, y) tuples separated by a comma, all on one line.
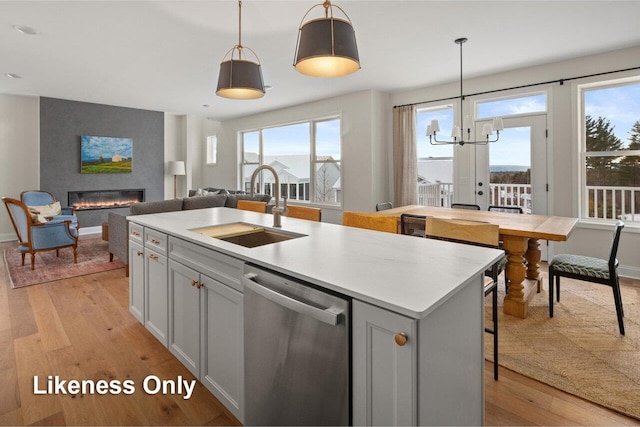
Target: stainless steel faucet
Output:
[(276, 211)]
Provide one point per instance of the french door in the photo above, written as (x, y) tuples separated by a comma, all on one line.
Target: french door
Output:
[(513, 170)]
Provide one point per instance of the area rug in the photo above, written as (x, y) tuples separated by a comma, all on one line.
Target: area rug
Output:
[(580, 349), (93, 257)]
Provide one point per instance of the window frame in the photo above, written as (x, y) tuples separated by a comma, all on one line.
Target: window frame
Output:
[(309, 188), (211, 149), (583, 154)]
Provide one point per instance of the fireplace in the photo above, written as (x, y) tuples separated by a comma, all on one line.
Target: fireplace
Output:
[(104, 199)]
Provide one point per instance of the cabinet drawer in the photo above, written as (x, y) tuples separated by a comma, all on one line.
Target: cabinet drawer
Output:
[(155, 240), (136, 232), (218, 266)]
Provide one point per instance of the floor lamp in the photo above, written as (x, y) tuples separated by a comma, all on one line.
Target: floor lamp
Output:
[(176, 167)]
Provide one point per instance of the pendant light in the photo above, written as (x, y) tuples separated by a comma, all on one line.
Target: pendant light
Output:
[(459, 131), (326, 47), (240, 78)]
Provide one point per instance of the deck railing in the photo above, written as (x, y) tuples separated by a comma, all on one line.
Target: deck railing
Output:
[(511, 195), (435, 194), (613, 203), (601, 202)]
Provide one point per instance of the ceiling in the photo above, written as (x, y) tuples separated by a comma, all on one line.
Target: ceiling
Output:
[(164, 55)]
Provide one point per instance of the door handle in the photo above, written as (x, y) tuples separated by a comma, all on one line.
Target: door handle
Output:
[(480, 193), (331, 315)]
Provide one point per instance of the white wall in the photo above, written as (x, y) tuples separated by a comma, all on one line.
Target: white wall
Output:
[(19, 152), (564, 167), (365, 147)]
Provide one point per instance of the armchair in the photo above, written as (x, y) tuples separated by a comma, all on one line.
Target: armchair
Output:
[(36, 237), (40, 198)]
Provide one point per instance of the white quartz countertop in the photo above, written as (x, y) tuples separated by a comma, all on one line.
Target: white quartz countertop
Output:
[(407, 275)]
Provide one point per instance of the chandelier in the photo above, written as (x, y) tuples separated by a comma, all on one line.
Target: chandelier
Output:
[(459, 133)]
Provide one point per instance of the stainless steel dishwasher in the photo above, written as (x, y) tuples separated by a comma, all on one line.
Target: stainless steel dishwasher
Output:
[(296, 352)]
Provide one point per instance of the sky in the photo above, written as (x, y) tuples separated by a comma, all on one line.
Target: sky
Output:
[(94, 147)]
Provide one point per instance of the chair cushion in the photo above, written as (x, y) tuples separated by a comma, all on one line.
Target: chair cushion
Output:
[(582, 265)]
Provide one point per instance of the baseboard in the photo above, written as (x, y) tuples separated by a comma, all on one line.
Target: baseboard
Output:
[(90, 230), (8, 237), (629, 271)]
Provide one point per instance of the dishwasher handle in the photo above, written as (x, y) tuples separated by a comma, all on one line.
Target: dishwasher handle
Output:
[(329, 315)]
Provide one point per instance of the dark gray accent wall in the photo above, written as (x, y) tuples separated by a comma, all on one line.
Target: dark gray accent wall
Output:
[(63, 122)]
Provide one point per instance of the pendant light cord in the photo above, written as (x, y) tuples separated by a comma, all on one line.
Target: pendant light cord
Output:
[(239, 24)]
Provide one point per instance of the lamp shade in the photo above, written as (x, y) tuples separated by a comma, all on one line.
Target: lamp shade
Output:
[(327, 48), (240, 79), (176, 167)]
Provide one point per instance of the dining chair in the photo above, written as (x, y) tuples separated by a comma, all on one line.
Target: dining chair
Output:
[(382, 206), (480, 234), (304, 212), (506, 209), (370, 221), (412, 224), (589, 269), (34, 236), (465, 206), (252, 205)]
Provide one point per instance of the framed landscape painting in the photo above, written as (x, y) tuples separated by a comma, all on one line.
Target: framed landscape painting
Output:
[(104, 154)]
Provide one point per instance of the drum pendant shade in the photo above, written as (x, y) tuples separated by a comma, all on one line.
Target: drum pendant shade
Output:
[(240, 79), (327, 48)]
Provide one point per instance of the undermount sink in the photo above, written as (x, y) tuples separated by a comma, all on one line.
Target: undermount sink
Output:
[(247, 235)]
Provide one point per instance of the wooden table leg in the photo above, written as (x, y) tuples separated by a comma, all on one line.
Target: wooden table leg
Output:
[(533, 262), (516, 302)]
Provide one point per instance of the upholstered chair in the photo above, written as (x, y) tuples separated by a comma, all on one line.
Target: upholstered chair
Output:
[(34, 237), (44, 202)]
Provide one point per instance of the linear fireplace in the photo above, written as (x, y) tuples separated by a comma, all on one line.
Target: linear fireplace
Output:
[(104, 199)]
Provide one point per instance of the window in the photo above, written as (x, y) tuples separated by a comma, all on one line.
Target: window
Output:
[(610, 150), (305, 155), (435, 162), (212, 149), (527, 104)]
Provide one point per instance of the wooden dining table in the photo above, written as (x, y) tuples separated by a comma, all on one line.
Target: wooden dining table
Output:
[(520, 235)]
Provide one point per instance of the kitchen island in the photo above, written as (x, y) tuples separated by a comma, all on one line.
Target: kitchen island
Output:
[(417, 308)]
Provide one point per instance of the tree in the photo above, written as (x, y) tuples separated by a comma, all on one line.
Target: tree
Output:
[(601, 170), (630, 165)]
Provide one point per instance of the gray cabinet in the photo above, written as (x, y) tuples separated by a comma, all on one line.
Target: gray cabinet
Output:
[(204, 287), (136, 280), (222, 361), (184, 315), (156, 292), (420, 372), (384, 367)]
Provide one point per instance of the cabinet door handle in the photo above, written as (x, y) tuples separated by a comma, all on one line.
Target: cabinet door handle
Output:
[(135, 233), (153, 257), (194, 282), (155, 242), (140, 253), (401, 338)]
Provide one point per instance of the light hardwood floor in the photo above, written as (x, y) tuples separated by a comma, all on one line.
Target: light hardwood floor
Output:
[(81, 328)]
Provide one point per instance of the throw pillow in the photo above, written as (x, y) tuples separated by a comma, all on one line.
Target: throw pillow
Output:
[(37, 218), (47, 210)]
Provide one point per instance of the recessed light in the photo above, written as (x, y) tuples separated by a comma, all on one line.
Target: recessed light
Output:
[(268, 87), (25, 30), (13, 76), (206, 105)]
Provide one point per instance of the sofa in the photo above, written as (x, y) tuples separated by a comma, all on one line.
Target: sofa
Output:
[(118, 225)]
